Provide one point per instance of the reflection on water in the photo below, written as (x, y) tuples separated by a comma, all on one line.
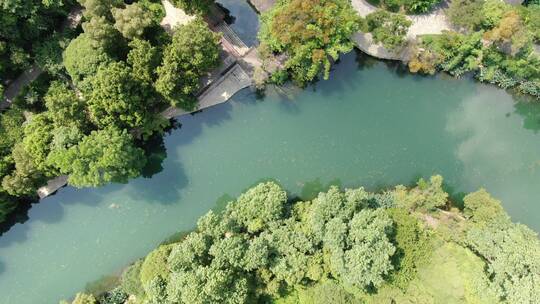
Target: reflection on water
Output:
[(243, 20), (496, 152), (364, 127), (530, 112)]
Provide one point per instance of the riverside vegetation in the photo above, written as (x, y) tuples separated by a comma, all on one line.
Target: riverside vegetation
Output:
[(493, 40), (404, 245), (108, 80), (97, 102)]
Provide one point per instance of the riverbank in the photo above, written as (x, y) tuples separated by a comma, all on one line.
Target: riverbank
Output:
[(233, 75), (345, 129), (403, 234)]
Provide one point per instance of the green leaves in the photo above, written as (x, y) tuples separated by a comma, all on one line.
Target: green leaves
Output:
[(259, 207), (193, 52), (104, 156), (360, 249), (311, 34), (388, 28), (132, 20), (512, 254), (64, 107), (82, 59)]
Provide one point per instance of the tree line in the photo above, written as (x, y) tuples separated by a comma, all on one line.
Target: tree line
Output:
[(493, 40), (264, 247)]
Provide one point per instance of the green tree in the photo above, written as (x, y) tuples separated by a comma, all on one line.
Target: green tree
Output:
[(26, 178), (426, 196), (259, 207), (311, 34), (37, 139), (131, 281), (361, 250), (99, 8), (467, 14), (388, 28), (49, 53), (208, 284), (481, 208), (118, 99), (132, 20), (144, 60), (193, 52), (83, 298), (512, 252), (64, 107), (102, 34), (155, 265), (193, 7), (82, 59), (104, 156)]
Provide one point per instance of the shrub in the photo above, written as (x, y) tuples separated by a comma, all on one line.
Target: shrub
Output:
[(155, 265), (131, 279), (388, 28)]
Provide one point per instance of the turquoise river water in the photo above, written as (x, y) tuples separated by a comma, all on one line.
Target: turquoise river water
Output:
[(369, 125)]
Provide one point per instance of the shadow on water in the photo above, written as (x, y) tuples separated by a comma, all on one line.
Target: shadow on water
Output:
[(456, 197), (102, 285), (18, 216), (155, 155)]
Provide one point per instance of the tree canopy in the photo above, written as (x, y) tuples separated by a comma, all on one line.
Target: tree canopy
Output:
[(193, 52), (132, 20), (104, 156), (351, 246), (311, 34)]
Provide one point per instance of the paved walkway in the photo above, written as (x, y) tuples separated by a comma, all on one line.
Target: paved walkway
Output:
[(174, 16), (433, 23)]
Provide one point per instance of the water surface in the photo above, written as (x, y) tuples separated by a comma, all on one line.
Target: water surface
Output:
[(369, 125)]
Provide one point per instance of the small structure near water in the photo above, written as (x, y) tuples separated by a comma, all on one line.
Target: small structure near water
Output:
[(262, 6), (217, 87)]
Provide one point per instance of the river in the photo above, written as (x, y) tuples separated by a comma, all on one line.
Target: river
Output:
[(369, 125)]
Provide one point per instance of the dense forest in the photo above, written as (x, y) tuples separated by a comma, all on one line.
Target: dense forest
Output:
[(404, 245), (101, 92)]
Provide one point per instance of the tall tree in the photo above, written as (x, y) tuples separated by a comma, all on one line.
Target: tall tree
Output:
[(310, 33), (193, 52), (82, 59), (132, 20), (104, 156), (64, 107), (143, 59), (118, 99)]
